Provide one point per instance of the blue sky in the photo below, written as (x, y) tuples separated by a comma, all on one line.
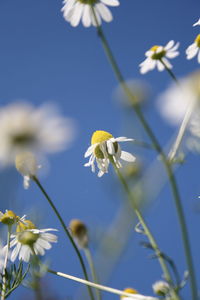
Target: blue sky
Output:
[(43, 59)]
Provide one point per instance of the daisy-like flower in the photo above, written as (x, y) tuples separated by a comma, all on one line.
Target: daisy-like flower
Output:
[(161, 288), (89, 11), (27, 165), (194, 49), (157, 57), (29, 240), (105, 147), (39, 130), (10, 218), (197, 23)]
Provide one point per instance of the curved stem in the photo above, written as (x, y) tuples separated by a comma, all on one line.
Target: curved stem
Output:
[(147, 232), (171, 74), (158, 148), (102, 287), (3, 291), (92, 268), (35, 179)]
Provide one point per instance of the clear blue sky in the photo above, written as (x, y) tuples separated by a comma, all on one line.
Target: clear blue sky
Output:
[(42, 59)]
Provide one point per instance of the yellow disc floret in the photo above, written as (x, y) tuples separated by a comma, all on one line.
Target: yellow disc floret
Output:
[(100, 136), (9, 218), (157, 55), (25, 226), (197, 40), (130, 291)]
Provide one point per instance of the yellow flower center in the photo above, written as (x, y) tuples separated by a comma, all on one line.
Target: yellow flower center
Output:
[(197, 40), (24, 226), (9, 218), (130, 291), (27, 238), (158, 55), (90, 2), (100, 136)]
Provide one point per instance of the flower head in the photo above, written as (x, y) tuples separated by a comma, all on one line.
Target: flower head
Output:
[(79, 232), (10, 218), (194, 49), (130, 291), (38, 130), (29, 240), (157, 57), (89, 11), (161, 288), (105, 147), (27, 165)]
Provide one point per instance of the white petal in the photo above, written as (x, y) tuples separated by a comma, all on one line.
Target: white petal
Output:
[(111, 2), (111, 149), (25, 253), (52, 238), (104, 12), (77, 13), (172, 54), (123, 139), (127, 156), (44, 244), (86, 19), (169, 45), (90, 150), (38, 249), (198, 58), (94, 21), (197, 23), (15, 252)]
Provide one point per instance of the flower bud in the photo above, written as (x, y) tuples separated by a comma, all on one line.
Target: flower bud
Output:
[(79, 232), (8, 218), (161, 288)]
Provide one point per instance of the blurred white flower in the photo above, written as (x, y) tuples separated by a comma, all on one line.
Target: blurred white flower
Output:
[(26, 164), (76, 10), (197, 23), (103, 145), (194, 49), (176, 100), (158, 54), (39, 130), (29, 240), (161, 288), (2, 257)]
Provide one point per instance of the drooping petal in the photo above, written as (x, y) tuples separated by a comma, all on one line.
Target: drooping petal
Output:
[(127, 156), (86, 19), (104, 12)]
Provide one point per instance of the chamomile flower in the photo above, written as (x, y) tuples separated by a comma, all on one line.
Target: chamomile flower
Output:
[(26, 128), (194, 49), (27, 165), (197, 23), (29, 240), (10, 218), (157, 57), (105, 147), (75, 11)]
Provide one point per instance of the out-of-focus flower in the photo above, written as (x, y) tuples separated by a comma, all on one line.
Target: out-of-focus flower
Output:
[(176, 100), (197, 23), (29, 240), (76, 10), (161, 288), (135, 295), (39, 130), (105, 147), (27, 165), (10, 218), (157, 57), (128, 290), (194, 49), (79, 232)]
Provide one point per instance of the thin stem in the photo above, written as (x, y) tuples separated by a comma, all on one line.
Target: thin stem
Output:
[(181, 133), (147, 232), (92, 268), (35, 179), (158, 148), (102, 287), (171, 74), (3, 292)]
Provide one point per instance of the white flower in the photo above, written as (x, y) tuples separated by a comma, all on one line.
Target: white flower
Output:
[(76, 10), (31, 241), (25, 128), (2, 257), (194, 49), (103, 146), (161, 288), (26, 164), (197, 23), (157, 57), (176, 100)]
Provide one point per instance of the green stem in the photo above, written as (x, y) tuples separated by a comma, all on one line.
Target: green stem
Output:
[(171, 74), (3, 291), (35, 179), (92, 268), (158, 148), (147, 232)]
